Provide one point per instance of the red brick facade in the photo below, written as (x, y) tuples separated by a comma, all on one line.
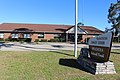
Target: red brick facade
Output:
[(34, 37), (48, 36), (7, 35), (49, 31)]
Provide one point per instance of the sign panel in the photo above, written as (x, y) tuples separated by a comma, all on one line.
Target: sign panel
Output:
[(100, 47)]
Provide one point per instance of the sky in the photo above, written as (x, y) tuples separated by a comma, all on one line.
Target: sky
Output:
[(90, 12)]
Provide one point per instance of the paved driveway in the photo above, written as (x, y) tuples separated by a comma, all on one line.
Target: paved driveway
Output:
[(43, 46), (39, 47)]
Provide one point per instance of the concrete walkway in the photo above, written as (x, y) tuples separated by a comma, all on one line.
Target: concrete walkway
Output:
[(44, 46)]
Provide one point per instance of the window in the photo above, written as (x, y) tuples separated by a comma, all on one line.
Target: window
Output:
[(40, 35), (56, 35), (26, 35), (14, 35), (1, 35)]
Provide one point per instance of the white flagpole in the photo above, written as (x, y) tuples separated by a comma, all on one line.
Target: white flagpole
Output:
[(76, 19)]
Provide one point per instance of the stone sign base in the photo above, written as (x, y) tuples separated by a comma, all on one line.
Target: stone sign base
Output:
[(96, 67)]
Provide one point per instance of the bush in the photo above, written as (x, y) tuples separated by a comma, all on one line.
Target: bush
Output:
[(36, 40), (24, 39), (1, 39), (7, 39), (115, 39), (43, 40), (54, 40), (14, 39), (28, 40), (21, 40), (57, 40), (61, 40), (51, 40)]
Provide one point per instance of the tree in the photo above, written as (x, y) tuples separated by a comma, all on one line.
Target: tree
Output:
[(114, 16), (80, 24)]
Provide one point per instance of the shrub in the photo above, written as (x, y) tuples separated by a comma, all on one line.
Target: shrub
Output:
[(7, 39), (57, 40), (1, 39), (61, 40), (21, 40), (14, 39), (51, 40), (28, 40), (43, 40), (36, 40), (115, 39), (54, 40)]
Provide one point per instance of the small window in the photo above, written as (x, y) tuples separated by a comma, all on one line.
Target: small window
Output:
[(1, 35), (56, 35), (40, 35), (14, 35), (26, 35)]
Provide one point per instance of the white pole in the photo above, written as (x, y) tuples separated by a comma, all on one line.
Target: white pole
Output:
[(76, 19)]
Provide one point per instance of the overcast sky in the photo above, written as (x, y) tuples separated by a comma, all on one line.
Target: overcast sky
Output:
[(91, 12)]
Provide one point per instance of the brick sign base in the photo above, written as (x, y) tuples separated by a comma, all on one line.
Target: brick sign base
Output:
[(99, 51), (96, 67)]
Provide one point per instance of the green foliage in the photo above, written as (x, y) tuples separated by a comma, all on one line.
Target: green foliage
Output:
[(61, 40), (56, 40), (22, 40), (28, 40), (52, 40), (36, 40), (14, 39), (43, 40), (1, 39), (18, 39), (116, 39), (114, 16), (7, 39)]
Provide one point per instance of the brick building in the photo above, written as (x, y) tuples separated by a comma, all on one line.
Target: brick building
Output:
[(46, 31)]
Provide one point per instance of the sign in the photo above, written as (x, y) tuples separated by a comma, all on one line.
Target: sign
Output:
[(100, 47), (84, 52)]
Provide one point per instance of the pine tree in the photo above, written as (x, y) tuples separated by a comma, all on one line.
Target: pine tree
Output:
[(114, 16)]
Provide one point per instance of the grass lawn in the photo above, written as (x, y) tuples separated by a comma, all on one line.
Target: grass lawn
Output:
[(61, 65)]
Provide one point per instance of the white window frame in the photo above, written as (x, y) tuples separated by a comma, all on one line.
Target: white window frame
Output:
[(15, 35), (56, 35), (41, 35), (26, 35), (1, 35)]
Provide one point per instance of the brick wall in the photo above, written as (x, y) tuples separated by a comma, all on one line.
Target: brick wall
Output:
[(48, 36), (34, 37), (7, 35)]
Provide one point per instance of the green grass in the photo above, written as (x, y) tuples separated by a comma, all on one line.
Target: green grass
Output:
[(45, 66)]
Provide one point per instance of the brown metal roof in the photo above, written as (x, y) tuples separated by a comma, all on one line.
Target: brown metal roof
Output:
[(91, 30), (48, 28), (35, 27)]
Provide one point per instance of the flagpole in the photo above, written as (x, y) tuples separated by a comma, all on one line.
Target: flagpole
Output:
[(76, 19)]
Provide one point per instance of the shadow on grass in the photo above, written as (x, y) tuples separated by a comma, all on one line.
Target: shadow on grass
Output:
[(72, 63), (62, 53)]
